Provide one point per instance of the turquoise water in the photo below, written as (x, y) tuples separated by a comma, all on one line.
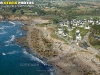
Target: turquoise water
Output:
[(15, 60)]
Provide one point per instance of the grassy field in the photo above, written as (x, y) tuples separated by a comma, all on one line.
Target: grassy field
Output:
[(86, 16), (82, 32), (94, 42), (98, 56), (97, 46)]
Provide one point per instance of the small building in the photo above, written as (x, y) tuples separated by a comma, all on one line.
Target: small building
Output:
[(64, 34), (87, 27), (60, 31), (91, 20), (78, 36)]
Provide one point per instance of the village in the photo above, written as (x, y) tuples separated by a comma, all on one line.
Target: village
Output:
[(75, 30)]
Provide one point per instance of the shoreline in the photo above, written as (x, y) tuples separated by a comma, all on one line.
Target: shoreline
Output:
[(69, 57), (30, 51), (69, 60)]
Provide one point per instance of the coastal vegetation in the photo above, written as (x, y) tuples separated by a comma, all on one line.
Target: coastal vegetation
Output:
[(41, 44), (55, 13), (98, 56), (94, 42), (94, 36), (42, 38)]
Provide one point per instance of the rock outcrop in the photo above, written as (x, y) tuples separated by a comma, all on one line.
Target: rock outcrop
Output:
[(1, 17), (42, 44)]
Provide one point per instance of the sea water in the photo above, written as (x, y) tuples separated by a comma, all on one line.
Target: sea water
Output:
[(15, 60)]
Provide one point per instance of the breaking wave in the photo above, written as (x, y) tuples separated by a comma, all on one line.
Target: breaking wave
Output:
[(12, 23), (13, 52), (3, 32), (2, 27), (12, 38), (34, 58)]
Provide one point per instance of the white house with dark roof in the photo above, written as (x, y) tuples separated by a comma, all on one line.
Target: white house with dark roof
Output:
[(60, 31), (78, 36), (65, 34), (87, 27), (90, 20)]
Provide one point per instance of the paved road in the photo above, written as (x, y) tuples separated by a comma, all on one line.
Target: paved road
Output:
[(85, 39), (72, 45)]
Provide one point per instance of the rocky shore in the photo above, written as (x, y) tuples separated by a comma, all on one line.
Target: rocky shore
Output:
[(66, 59)]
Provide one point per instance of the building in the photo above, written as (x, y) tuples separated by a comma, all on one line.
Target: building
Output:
[(78, 36)]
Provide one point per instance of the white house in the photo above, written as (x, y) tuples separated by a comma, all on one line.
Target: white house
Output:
[(81, 25), (78, 36), (60, 31), (77, 31), (91, 20), (75, 24), (87, 27), (64, 34)]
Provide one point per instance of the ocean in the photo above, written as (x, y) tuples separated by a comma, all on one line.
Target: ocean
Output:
[(14, 59)]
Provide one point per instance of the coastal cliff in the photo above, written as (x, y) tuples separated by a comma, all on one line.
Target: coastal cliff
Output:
[(38, 41), (66, 59), (14, 18)]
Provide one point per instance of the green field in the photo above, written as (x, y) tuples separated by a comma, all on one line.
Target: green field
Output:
[(86, 16)]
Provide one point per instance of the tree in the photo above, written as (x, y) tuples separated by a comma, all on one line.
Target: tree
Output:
[(22, 12), (13, 10)]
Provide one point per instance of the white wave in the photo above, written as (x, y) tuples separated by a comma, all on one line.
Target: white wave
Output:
[(37, 59), (18, 31), (7, 42), (12, 38), (2, 27), (51, 73), (20, 34), (3, 32), (3, 53), (12, 23), (3, 21), (33, 57), (25, 52), (13, 52), (7, 45), (8, 26)]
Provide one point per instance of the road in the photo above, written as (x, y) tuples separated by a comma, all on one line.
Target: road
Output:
[(85, 39)]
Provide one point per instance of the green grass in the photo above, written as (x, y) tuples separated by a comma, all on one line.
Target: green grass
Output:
[(30, 13), (97, 56), (85, 16), (97, 46), (94, 42), (82, 32)]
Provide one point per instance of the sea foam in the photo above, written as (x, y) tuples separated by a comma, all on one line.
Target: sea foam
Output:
[(13, 52), (37, 59), (12, 38), (3, 32), (3, 53), (34, 58), (2, 27), (12, 23)]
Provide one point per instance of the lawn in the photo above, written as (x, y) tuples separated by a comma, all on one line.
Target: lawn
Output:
[(97, 46), (98, 56), (94, 42), (82, 32)]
